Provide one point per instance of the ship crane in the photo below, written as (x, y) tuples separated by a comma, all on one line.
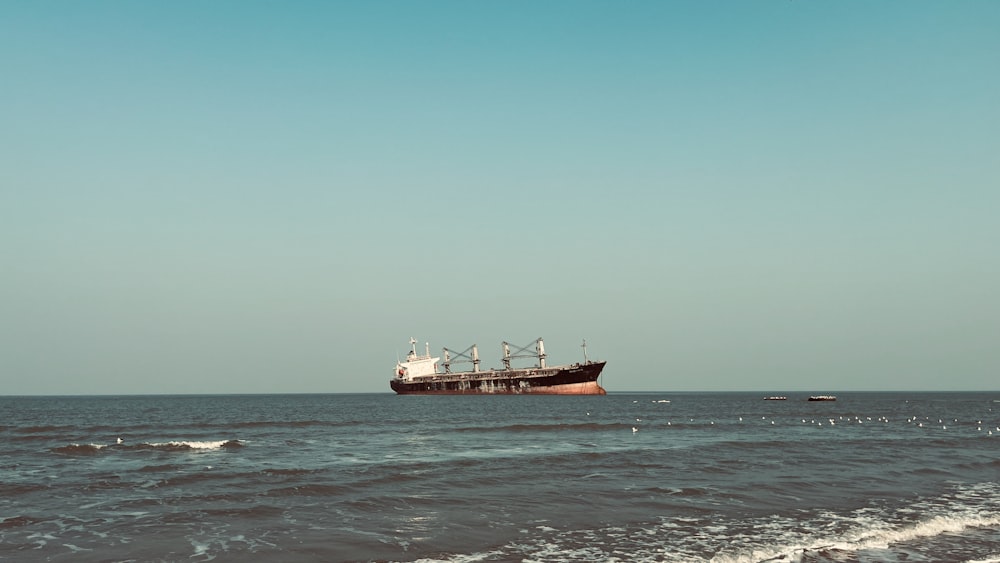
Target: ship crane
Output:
[(472, 358), (419, 375), (524, 352)]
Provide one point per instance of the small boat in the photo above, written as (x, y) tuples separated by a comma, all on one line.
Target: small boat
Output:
[(776, 398), (823, 398)]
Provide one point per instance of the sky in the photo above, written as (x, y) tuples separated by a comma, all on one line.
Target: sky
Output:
[(273, 197)]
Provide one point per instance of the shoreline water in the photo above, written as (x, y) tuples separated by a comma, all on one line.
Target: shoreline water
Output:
[(886, 476)]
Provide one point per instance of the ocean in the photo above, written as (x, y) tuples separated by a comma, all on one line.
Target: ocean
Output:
[(721, 477)]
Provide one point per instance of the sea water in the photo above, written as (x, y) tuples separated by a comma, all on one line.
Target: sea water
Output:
[(380, 477)]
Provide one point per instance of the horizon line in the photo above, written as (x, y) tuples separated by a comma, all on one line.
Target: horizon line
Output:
[(630, 392)]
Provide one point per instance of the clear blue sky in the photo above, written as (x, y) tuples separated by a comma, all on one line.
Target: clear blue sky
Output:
[(244, 197)]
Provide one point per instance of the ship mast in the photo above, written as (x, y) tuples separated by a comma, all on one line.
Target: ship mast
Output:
[(586, 360)]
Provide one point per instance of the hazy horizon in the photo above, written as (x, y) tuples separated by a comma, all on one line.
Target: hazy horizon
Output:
[(792, 395)]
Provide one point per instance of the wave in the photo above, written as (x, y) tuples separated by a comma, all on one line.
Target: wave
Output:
[(848, 548), (174, 446), (934, 526), (79, 449), (874, 533), (179, 428), (865, 530), (187, 446)]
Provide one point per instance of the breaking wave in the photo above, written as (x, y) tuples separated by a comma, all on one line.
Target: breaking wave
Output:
[(186, 446), (173, 446), (868, 534), (876, 537), (79, 449)]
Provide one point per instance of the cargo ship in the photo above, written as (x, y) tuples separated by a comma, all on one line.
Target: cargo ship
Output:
[(421, 375)]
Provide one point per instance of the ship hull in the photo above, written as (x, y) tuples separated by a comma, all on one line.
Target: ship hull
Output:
[(577, 379)]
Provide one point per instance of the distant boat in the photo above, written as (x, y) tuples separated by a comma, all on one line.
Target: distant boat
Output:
[(419, 375), (823, 398), (776, 398)]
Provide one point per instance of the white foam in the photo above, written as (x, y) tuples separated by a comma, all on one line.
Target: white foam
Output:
[(469, 558), (193, 445), (929, 528), (859, 534), (95, 446), (200, 550), (873, 534)]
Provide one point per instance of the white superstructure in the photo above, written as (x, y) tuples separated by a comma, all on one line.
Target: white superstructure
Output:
[(417, 366)]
